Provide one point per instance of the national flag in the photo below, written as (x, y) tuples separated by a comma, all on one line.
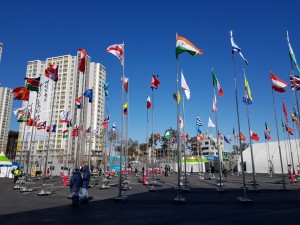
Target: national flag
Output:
[(75, 132), (215, 104), (52, 129), (229, 139), (180, 123), (105, 88), (97, 133), (291, 52), (295, 82), (220, 135), (69, 124), (82, 63), (184, 45), (198, 124), (125, 83), (225, 139), (125, 108), (41, 125), (282, 124), (78, 102), (21, 93), (117, 50), (65, 116), (167, 134), (294, 118), (158, 136), (88, 130), (52, 72), (289, 129), (148, 102), (185, 87), (243, 138), (105, 122), (267, 128), (21, 114), (114, 127), (154, 82), (267, 136), (234, 134), (254, 136), (236, 48), (210, 123), (177, 97), (216, 83), (278, 84), (33, 84), (29, 120), (285, 112), (89, 94), (65, 133), (247, 99)]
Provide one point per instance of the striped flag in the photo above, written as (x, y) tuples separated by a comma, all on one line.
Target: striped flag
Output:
[(198, 124), (278, 84), (236, 48), (185, 87), (82, 63), (118, 51), (184, 45)]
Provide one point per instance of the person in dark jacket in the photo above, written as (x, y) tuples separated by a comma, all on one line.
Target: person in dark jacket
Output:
[(75, 184), (86, 175)]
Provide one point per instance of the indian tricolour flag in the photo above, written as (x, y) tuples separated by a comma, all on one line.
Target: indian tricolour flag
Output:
[(184, 45), (65, 133)]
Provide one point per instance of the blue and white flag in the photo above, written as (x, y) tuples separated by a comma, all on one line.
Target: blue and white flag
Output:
[(236, 48), (198, 124), (89, 94)]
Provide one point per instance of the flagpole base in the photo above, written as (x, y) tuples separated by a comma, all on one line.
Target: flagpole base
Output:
[(245, 200), (220, 189), (179, 199), (186, 188), (121, 198), (152, 188)]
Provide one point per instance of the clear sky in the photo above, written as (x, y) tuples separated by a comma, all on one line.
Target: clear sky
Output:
[(35, 29)]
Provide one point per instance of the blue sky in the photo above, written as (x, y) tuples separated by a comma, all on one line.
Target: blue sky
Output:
[(33, 30)]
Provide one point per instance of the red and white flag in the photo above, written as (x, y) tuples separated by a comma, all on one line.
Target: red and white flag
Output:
[(41, 126), (52, 72), (285, 112), (254, 136), (125, 83), (148, 102), (278, 84), (185, 87), (117, 50), (82, 62)]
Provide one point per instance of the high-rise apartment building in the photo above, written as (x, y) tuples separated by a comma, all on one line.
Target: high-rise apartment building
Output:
[(56, 97), (6, 100)]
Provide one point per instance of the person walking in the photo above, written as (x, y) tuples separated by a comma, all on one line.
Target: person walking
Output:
[(86, 176), (16, 174), (212, 170), (65, 176), (75, 184)]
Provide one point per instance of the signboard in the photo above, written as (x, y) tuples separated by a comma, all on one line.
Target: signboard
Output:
[(114, 162), (210, 157)]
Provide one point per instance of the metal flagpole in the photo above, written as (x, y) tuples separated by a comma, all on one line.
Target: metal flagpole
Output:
[(244, 198), (283, 179), (121, 197), (125, 186), (23, 135), (268, 158), (284, 136), (291, 152), (179, 197), (254, 187), (297, 149), (147, 139), (91, 128)]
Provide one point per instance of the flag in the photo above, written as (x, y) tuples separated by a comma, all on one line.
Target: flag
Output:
[(180, 123), (285, 112), (236, 48), (33, 84), (234, 133), (52, 72), (267, 136), (198, 125), (82, 63), (289, 129), (125, 108), (89, 94), (184, 45), (97, 133), (220, 135), (177, 97), (117, 50), (21, 114), (29, 120), (105, 122), (247, 99), (215, 104), (295, 82), (154, 82), (78, 102), (105, 88), (41, 126), (65, 133), (158, 136), (53, 128), (69, 124), (185, 87), (267, 128), (75, 132), (21, 93), (148, 102), (254, 136), (114, 127), (167, 134), (88, 130), (227, 141), (282, 124), (1, 47), (243, 138), (216, 83), (125, 83), (291, 52), (210, 123), (65, 116), (294, 118), (278, 84)]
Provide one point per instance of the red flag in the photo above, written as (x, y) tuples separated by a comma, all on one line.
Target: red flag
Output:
[(148, 102), (243, 138), (117, 50), (155, 82), (125, 83), (289, 129), (21, 93), (82, 62), (278, 84), (75, 132), (285, 112), (254, 136), (52, 72)]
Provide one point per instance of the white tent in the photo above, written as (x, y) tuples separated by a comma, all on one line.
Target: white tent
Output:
[(5, 166)]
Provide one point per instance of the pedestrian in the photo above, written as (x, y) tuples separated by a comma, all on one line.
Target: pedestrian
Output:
[(166, 170), (75, 184), (86, 175), (65, 176), (191, 169), (48, 172), (224, 172), (212, 170), (16, 174), (136, 172)]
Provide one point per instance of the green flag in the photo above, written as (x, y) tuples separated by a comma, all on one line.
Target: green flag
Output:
[(291, 52)]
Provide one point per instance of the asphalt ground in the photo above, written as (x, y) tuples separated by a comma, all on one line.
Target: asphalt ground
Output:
[(203, 204)]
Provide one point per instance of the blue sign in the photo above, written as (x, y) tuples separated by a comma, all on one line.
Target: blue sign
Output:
[(212, 157), (114, 162)]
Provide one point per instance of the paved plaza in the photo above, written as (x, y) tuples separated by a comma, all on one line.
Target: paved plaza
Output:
[(203, 205)]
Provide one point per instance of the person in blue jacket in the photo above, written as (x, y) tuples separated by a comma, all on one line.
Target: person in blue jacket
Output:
[(86, 176), (75, 184)]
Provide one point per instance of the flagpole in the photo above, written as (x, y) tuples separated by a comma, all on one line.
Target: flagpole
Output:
[(283, 179), (125, 186), (91, 125), (147, 139), (244, 198), (105, 136), (254, 187), (22, 145), (121, 197), (291, 152), (284, 136), (179, 197), (268, 157), (152, 187)]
